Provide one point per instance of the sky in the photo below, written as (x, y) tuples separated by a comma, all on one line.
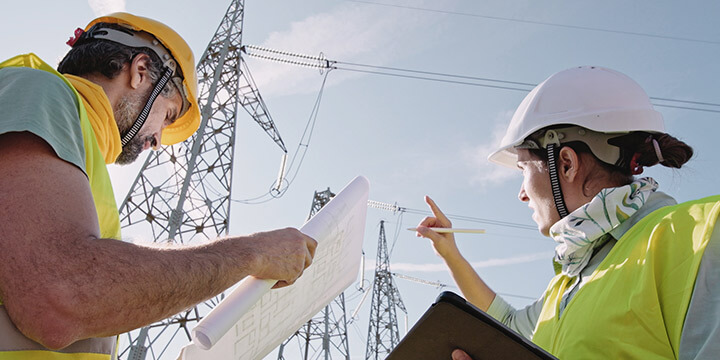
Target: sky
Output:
[(413, 137)]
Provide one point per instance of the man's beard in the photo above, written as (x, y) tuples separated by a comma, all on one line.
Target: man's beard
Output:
[(126, 112)]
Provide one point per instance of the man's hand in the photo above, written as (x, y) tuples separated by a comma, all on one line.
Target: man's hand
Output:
[(282, 255)]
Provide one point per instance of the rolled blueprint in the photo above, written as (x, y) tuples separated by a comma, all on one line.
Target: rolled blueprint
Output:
[(328, 226), (224, 316)]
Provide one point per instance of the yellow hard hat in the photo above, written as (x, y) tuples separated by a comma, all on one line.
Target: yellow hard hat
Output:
[(181, 53)]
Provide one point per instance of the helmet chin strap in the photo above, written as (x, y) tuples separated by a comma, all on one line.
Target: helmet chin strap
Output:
[(555, 182), (140, 121)]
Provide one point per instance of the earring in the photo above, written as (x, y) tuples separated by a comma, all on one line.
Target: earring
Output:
[(635, 169)]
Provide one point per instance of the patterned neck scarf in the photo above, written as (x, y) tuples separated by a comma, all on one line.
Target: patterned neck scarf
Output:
[(583, 230)]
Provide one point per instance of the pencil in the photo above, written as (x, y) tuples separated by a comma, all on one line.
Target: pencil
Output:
[(453, 230)]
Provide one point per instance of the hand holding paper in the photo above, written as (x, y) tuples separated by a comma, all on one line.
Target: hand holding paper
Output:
[(283, 255), (261, 325)]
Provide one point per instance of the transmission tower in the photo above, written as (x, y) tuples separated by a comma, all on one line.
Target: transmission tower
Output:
[(182, 193), (325, 335), (383, 334)]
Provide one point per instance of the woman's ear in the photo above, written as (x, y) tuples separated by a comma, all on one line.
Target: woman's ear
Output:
[(139, 71), (568, 164)]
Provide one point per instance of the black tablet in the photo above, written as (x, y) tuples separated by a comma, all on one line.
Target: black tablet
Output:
[(453, 323)]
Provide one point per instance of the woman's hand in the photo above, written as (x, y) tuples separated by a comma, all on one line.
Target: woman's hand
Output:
[(444, 244), (458, 354)]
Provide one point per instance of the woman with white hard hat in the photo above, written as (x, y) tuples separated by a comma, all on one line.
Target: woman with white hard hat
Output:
[(636, 273)]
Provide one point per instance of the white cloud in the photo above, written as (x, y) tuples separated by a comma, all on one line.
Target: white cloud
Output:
[(441, 267), (350, 32), (484, 173), (104, 7)]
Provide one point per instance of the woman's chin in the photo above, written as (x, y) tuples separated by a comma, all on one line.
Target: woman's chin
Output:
[(544, 229)]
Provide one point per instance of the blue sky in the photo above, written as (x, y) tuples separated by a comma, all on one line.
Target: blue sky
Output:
[(413, 137)]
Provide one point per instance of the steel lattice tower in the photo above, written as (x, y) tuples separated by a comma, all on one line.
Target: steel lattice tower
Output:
[(383, 334), (325, 335), (182, 192)]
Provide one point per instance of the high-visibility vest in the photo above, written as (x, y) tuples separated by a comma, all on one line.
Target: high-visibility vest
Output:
[(13, 344), (635, 302)]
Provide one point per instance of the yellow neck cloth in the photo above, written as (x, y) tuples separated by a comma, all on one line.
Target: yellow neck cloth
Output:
[(101, 116)]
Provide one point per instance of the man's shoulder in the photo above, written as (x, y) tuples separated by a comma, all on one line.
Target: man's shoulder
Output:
[(21, 80), (42, 103)]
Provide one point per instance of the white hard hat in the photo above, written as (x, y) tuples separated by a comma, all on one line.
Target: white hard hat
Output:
[(592, 97)]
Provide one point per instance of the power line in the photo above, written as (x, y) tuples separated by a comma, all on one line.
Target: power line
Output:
[(525, 87), (476, 219), (396, 208), (322, 63), (531, 85), (278, 190), (441, 285), (433, 79), (577, 27)]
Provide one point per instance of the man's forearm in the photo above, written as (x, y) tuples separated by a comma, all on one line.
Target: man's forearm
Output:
[(104, 287), (137, 285)]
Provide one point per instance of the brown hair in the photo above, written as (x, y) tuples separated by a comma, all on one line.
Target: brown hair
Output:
[(106, 57), (675, 153)]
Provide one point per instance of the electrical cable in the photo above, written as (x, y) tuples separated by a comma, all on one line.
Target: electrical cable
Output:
[(687, 108), (434, 79), (475, 219), (633, 33), (395, 208), (311, 126), (436, 73), (398, 227), (301, 151), (453, 78), (442, 285), (323, 64), (439, 79)]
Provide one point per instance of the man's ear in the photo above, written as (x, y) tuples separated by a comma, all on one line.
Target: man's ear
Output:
[(568, 164), (139, 71)]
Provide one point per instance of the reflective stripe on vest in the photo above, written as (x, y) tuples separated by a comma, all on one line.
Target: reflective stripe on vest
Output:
[(13, 344), (16, 346), (635, 302)]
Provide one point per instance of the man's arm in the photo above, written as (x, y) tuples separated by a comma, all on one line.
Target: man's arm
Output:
[(61, 283)]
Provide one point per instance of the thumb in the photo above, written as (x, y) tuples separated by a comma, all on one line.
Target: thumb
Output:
[(458, 354), (426, 232)]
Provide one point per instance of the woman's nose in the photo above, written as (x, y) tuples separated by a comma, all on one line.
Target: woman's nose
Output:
[(522, 195)]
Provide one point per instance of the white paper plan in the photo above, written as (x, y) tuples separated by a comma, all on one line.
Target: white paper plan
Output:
[(255, 321)]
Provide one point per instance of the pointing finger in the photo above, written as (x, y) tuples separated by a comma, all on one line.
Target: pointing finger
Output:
[(437, 212)]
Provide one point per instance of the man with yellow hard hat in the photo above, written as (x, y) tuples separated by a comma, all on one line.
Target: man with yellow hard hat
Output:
[(66, 284)]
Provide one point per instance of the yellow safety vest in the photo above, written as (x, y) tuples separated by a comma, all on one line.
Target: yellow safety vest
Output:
[(14, 345), (635, 302)]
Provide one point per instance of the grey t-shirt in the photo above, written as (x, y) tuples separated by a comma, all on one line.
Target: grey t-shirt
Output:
[(41, 103)]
